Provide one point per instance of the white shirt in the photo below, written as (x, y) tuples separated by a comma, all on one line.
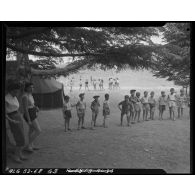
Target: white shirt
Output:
[(145, 99), (172, 97), (11, 103)]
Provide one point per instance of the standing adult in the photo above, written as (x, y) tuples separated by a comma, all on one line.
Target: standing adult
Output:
[(15, 120), (30, 116)]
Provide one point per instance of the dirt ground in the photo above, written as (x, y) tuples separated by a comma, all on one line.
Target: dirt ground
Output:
[(152, 144)]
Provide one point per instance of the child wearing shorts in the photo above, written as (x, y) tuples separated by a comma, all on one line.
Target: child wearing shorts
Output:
[(125, 107), (162, 104), (181, 103), (152, 104), (81, 108), (133, 100), (95, 110), (146, 107), (172, 103), (67, 112), (106, 110), (137, 107)]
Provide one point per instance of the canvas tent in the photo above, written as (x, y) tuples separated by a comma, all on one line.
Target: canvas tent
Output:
[(48, 93)]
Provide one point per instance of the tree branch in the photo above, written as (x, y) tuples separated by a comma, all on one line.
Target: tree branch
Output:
[(25, 51), (66, 70)]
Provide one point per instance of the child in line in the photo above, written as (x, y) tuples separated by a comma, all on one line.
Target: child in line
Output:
[(125, 107), (67, 112), (95, 110), (137, 107), (81, 108), (146, 107), (181, 103), (133, 100), (152, 104), (172, 103), (162, 104), (106, 110)]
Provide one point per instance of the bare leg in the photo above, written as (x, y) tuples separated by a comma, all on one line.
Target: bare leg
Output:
[(128, 119), (162, 114), (95, 120), (83, 119), (36, 132), (132, 117), (122, 119), (136, 114), (92, 121), (65, 124), (68, 124), (181, 112), (79, 123), (170, 112), (173, 111), (139, 112), (152, 115), (144, 115), (104, 121), (178, 110)]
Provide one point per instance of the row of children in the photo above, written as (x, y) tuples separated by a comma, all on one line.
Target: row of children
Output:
[(81, 109), (131, 106)]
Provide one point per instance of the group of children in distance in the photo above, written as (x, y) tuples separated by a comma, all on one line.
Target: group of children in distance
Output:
[(131, 106)]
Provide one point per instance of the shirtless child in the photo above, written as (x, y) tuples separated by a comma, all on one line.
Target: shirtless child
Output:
[(95, 110), (125, 108)]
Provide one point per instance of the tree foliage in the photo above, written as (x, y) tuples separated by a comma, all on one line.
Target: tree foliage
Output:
[(121, 47), (173, 61), (108, 46)]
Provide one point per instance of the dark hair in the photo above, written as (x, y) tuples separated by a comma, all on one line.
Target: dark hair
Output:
[(13, 86), (137, 93), (81, 94), (66, 97), (27, 85), (106, 95)]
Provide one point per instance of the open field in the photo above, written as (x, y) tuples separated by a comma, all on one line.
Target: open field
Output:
[(152, 144)]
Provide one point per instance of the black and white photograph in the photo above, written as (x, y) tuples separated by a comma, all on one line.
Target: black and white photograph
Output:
[(97, 99)]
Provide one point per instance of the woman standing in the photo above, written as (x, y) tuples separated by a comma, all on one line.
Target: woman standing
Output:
[(30, 116), (15, 120)]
